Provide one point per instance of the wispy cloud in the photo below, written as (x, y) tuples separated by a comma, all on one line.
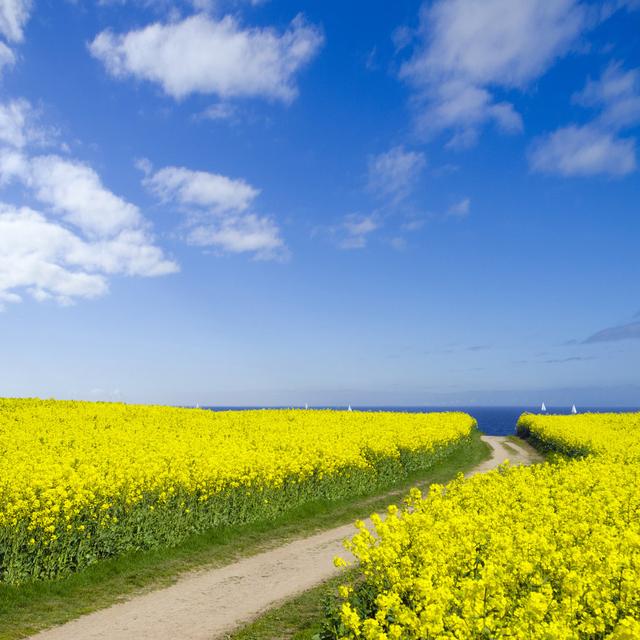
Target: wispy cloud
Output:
[(629, 331), (582, 151), (218, 112), (352, 231), (20, 126), (460, 209), (355, 229), (569, 359), (393, 174), (596, 147), (13, 17), (478, 347), (616, 93)]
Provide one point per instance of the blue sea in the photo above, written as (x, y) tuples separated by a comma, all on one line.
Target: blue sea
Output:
[(494, 421)]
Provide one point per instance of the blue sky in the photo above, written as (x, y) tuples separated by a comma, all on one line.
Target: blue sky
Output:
[(236, 202)]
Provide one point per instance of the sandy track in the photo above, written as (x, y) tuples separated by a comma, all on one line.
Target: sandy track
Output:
[(207, 604)]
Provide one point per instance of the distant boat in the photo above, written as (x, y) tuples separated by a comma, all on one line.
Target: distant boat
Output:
[(543, 408), (573, 409), (349, 408), (306, 406), (197, 406)]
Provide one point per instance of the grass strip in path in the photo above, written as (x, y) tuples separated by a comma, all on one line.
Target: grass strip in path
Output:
[(25, 609)]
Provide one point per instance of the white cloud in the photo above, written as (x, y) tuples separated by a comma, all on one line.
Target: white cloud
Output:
[(402, 37), (583, 151), (412, 224), (218, 211), (201, 188), (464, 108), (392, 174), (259, 235), (13, 122), (7, 57), (597, 147), (398, 243), (495, 40), (170, 6), (460, 209), (73, 190), (201, 54), (354, 230), (219, 111), (617, 93), (48, 261), (84, 235), (20, 126), (468, 49), (33, 256), (608, 7), (13, 17)]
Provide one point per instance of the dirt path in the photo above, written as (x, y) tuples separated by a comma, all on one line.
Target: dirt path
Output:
[(205, 605)]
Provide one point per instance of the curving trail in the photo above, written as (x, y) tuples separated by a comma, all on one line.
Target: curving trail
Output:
[(207, 604)]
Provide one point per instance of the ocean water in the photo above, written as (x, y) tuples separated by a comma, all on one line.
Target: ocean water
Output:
[(494, 421)]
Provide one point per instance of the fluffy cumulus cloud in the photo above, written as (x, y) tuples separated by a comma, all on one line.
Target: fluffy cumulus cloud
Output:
[(219, 211), (73, 190), (393, 174), (81, 234), (598, 147), (203, 54), (469, 50), (43, 258)]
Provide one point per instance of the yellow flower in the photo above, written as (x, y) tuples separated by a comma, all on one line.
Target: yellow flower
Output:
[(547, 552), (152, 475)]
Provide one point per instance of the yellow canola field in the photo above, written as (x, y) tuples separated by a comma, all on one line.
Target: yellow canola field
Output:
[(80, 481), (550, 551), (616, 435)]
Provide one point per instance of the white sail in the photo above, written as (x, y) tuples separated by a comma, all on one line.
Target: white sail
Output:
[(573, 409), (349, 408), (543, 408), (306, 406), (197, 406)]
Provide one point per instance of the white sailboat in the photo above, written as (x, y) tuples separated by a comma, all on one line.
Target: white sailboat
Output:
[(349, 408), (306, 406), (573, 409), (543, 409), (197, 406)]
